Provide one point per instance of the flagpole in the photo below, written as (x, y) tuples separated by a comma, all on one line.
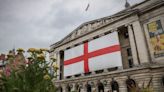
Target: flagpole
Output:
[(88, 5)]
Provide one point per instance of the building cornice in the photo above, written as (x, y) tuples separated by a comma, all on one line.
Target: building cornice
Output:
[(126, 72)]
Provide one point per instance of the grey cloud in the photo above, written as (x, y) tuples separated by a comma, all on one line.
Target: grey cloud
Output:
[(40, 23)]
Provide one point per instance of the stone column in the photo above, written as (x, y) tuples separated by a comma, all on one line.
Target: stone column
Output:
[(64, 88), (133, 45), (60, 61), (95, 86), (57, 56), (140, 42), (157, 82), (83, 87), (122, 83), (73, 87), (108, 86)]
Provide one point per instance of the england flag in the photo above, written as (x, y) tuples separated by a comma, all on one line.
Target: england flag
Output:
[(100, 53)]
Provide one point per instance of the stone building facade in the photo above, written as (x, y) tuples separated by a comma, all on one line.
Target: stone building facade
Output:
[(141, 34)]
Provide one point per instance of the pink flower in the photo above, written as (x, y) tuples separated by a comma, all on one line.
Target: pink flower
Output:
[(7, 71)]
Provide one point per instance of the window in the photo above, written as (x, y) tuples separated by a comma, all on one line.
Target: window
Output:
[(163, 81), (87, 74), (107, 32), (61, 63), (114, 86), (78, 88), (126, 35), (68, 88), (130, 61), (61, 69), (100, 87), (60, 89), (77, 75), (68, 77), (131, 84), (88, 87), (99, 71), (129, 52), (96, 37)]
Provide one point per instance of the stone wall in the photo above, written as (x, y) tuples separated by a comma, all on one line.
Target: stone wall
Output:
[(141, 75)]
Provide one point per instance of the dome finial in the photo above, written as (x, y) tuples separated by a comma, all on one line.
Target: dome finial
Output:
[(127, 5)]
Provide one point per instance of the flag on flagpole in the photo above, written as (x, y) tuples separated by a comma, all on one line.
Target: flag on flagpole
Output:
[(87, 7)]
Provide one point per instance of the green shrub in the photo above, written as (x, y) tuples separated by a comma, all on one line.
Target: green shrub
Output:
[(31, 77)]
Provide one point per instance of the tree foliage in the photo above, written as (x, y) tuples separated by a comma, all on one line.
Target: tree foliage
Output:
[(31, 77)]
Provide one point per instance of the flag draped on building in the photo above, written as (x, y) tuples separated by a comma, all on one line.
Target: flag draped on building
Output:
[(101, 53)]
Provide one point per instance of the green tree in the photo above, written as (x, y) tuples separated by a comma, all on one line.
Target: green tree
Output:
[(31, 77)]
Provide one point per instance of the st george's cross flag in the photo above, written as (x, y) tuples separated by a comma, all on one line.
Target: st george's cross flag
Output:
[(100, 53)]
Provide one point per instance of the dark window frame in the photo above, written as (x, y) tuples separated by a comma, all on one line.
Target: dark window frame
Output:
[(114, 86), (100, 87), (130, 83), (130, 62)]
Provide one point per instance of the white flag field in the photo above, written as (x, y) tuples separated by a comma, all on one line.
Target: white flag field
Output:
[(100, 53)]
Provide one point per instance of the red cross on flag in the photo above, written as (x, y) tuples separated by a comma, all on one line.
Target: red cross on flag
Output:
[(100, 53)]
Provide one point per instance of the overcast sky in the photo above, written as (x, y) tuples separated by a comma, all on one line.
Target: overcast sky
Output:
[(40, 23)]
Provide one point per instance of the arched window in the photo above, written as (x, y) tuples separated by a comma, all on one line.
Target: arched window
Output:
[(114, 86), (78, 88), (88, 87), (163, 81), (60, 89), (131, 85), (100, 87), (68, 88)]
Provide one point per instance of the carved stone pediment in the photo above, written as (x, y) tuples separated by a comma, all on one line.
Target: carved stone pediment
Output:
[(93, 25)]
